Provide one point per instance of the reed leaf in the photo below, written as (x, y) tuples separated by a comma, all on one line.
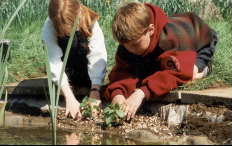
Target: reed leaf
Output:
[(11, 19), (4, 59), (53, 90)]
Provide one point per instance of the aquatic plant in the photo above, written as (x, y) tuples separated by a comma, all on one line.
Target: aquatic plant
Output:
[(87, 108), (113, 115), (54, 90), (4, 55)]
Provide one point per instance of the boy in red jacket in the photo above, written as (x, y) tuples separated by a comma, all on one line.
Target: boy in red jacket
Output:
[(156, 54)]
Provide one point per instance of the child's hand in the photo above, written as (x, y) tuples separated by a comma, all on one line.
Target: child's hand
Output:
[(119, 99), (133, 103), (197, 74), (72, 105), (95, 100), (94, 94), (73, 108), (95, 105)]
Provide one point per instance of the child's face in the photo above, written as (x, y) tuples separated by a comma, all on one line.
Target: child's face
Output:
[(140, 45)]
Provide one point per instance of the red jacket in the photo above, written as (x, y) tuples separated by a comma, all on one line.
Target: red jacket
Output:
[(178, 43)]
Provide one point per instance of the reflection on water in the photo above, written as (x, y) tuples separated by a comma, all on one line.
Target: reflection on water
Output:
[(25, 130), (42, 135)]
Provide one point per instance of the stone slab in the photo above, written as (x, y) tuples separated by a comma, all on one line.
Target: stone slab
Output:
[(30, 87), (172, 97), (19, 120), (222, 96), (39, 87)]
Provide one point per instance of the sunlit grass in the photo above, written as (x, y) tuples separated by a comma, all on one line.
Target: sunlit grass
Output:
[(30, 60), (221, 75), (3, 62)]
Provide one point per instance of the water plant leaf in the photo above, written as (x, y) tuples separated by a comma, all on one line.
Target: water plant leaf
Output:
[(113, 115), (120, 113)]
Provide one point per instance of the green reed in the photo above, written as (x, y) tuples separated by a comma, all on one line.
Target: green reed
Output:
[(3, 61), (54, 90)]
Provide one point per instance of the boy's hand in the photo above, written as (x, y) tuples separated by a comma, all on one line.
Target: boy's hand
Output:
[(119, 99), (73, 108), (197, 74), (133, 103)]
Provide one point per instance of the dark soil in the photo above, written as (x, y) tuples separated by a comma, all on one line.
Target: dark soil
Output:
[(213, 122), (200, 122)]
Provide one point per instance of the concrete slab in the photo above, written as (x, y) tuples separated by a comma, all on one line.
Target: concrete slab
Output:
[(39, 87), (173, 96), (219, 96), (19, 120), (217, 92), (36, 86)]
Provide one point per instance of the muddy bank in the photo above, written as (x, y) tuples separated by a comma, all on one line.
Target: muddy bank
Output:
[(213, 122), (156, 123), (201, 123)]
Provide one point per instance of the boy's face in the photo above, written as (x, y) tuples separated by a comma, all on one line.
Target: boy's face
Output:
[(140, 45)]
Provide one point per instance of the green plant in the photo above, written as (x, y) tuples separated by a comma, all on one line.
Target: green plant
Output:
[(225, 8), (2, 110), (26, 15), (3, 61), (113, 115), (3, 70), (86, 107), (54, 91)]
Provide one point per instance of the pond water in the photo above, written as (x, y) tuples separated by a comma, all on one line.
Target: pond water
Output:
[(205, 125), (42, 136), (24, 130)]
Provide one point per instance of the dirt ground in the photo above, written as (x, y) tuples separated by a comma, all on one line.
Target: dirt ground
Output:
[(213, 122)]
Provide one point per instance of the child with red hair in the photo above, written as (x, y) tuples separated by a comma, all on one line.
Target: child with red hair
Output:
[(85, 69)]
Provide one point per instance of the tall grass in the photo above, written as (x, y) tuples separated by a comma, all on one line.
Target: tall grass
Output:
[(106, 8), (3, 62), (27, 15), (29, 58)]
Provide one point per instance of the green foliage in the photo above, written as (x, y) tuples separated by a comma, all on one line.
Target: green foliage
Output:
[(2, 110), (113, 115), (225, 7), (4, 59), (86, 107), (31, 10), (54, 91), (28, 58), (222, 63), (176, 6), (3, 70)]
